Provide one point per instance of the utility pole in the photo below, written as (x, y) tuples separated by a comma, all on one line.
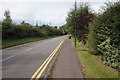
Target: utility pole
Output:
[(75, 26)]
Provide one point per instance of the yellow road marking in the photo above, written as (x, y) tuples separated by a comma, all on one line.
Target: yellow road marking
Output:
[(47, 60), (41, 66), (39, 75)]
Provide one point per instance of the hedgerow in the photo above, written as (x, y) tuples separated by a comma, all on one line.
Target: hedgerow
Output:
[(25, 30), (104, 35)]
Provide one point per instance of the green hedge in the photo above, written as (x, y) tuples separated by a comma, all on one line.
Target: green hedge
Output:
[(104, 37), (25, 30)]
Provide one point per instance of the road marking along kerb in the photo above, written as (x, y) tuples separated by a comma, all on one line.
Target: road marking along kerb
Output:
[(39, 75), (41, 69), (41, 66)]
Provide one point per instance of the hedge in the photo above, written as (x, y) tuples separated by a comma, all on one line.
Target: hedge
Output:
[(13, 31), (104, 35)]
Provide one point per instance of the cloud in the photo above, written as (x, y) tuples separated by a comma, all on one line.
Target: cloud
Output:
[(44, 11), (18, 10), (47, 12), (54, 12), (56, 0)]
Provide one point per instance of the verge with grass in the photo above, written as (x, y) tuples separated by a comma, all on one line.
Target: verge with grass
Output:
[(93, 66), (10, 43)]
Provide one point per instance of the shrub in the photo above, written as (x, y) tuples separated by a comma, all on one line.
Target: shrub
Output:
[(104, 35)]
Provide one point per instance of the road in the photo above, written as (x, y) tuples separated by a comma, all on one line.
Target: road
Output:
[(24, 60)]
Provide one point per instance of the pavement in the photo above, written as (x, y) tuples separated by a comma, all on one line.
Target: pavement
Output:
[(67, 64), (23, 61)]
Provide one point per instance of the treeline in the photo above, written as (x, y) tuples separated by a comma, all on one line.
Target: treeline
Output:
[(100, 31), (24, 30)]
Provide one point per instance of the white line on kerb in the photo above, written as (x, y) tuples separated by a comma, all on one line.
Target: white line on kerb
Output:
[(6, 58)]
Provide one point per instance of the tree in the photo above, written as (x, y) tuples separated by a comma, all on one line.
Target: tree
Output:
[(7, 16), (56, 27), (24, 30), (63, 29), (22, 22), (7, 25), (80, 23)]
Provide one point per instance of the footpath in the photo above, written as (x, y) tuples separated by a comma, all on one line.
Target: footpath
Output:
[(67, 64)]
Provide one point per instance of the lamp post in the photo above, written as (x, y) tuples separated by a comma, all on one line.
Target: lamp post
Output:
[(75, 26)]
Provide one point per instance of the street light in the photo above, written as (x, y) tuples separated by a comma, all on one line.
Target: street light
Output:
[(75, 26)]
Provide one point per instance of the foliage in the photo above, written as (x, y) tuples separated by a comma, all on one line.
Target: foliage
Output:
[(69, 27), (104, 37), (93, 65), (81, 25), (63, 29), (80, 22), (7, 16), (25, 30)]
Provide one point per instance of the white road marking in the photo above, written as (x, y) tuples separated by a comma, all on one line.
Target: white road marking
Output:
[(28, 49), (6, 58), (32, 48)]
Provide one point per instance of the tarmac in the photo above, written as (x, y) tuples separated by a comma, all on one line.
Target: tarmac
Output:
[(67, 64)]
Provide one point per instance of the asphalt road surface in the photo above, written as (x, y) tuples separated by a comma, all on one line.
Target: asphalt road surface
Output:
[(24, 60)]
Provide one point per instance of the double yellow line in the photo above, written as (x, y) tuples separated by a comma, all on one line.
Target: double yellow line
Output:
[(42, 68)]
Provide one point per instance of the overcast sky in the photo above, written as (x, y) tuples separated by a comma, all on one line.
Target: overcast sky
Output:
[(53, 12)]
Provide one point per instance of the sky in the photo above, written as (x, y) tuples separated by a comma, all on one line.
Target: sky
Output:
[(52, 12)]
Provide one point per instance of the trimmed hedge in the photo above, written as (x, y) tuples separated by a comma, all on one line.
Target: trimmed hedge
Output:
[(104, 35)]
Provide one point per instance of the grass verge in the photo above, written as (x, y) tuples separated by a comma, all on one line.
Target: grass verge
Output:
[(93, 66), (10, 43)]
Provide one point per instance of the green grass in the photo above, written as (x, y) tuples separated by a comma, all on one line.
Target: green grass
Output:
[(79, 45), (9, 43), (93, 66)]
